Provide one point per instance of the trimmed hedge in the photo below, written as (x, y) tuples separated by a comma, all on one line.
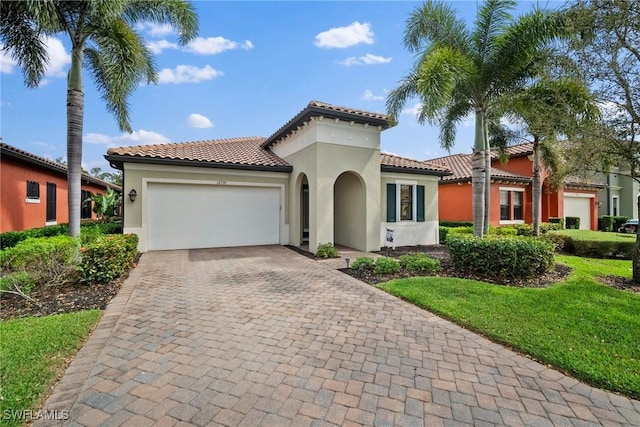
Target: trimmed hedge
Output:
[(386, 265), (453, 224), (599, 249), (108, 257), (618, 221), (11, 238), (572, 222), (605, 223), (556, 220), (501, 258), (366, 262)]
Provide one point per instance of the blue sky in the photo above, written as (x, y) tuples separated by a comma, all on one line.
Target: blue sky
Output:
[(254, 66)]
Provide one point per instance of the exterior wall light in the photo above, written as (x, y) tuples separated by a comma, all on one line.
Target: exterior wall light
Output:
[(132, 195)]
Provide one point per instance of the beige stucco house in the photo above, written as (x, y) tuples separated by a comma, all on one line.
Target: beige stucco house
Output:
[(320, 178)]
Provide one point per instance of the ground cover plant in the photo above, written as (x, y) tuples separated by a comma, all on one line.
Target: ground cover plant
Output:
[(34, 353), (577, 325)]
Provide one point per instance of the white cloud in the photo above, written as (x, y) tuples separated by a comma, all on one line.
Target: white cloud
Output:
[(196, 120), (6, 61), (414, 110), (139, 137), (215, 45), (157, 47), (369, 96), (367, 59), (188, 74), (155, 30), (341, 37), (59, 59)]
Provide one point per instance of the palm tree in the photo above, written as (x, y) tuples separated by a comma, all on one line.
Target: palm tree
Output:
[(570, 104), (102, 32), (461, 71)]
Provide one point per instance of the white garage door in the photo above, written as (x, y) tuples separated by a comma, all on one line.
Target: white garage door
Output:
[(580, 207), (188, 216)]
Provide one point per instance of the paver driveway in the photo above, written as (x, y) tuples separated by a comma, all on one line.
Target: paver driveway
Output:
[(264, 336)]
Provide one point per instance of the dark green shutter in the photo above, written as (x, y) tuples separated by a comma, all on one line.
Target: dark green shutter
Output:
[(420, 202), (391, 203)]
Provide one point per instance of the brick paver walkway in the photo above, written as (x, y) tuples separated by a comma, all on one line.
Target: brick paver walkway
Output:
[(264, 336)]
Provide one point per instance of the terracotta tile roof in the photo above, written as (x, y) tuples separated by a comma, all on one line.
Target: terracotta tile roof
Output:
[(25, 156), (244, 152), (580, 182), (317, 108), (517, 150), (460, 165), (391, 162)]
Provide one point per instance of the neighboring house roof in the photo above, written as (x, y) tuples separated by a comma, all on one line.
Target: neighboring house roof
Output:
[(460, 165), (579, 182), (393, 163), (234, 153), (26, 157), (317, 109), (516, 150)]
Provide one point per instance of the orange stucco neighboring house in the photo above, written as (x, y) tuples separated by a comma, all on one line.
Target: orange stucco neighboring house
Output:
[(511, 192), (33, 190)]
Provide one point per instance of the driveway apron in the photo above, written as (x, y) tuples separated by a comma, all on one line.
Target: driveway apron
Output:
[(264, 336)]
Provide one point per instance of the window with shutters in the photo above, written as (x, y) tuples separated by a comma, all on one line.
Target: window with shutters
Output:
[(405, 202), (51, 202), (86, 204), (33, 191)]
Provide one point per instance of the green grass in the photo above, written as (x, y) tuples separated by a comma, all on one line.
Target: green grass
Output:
[(581, 327), (33, 352), (596, 236)]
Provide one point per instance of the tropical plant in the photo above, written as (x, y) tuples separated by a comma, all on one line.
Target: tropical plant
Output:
[(102, 32), (106, 205), (569, 103), (461, 71)]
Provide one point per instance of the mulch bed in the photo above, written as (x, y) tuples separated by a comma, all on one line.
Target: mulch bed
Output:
[(59, 299)]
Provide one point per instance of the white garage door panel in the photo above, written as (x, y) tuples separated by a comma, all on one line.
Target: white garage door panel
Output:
[(186, 216), (580, 207)]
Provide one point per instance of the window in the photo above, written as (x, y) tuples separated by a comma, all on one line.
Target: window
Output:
[(33, 190), (85, 197), (615, 205), (511, 204), (51, 202), (406, 202), (505, 205), (517, 205)]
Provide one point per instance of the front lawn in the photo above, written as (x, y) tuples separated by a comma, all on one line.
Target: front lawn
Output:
[(596, 236), (578, 325), (34, 353)]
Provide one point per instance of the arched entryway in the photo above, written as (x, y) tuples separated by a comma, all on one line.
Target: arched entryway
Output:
[(349, 211)]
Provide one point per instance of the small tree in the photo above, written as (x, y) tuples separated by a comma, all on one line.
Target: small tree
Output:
[(105, 206)]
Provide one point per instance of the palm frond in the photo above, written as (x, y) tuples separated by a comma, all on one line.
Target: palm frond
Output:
[(179, 14), (435, 23), (452, 115), (493, 18), (119, 62), (398, 97)]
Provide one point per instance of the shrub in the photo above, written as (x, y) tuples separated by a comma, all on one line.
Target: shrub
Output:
[(556, 220), (545, 227), (599, 249), (505, 231), (453, 224), (386, 265), (461, 230), (19, 282), (420, 262), (501, 258), (524, 229), (46, 260), (605, 223), (572, 222), (108, 257), (11, 238), (442, 234), (365, 262), (558, 240), (326, 250)]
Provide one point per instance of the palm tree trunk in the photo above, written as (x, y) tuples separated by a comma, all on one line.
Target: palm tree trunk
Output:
[(487, 176), (478, 171), (536, 193), (75, 113)]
